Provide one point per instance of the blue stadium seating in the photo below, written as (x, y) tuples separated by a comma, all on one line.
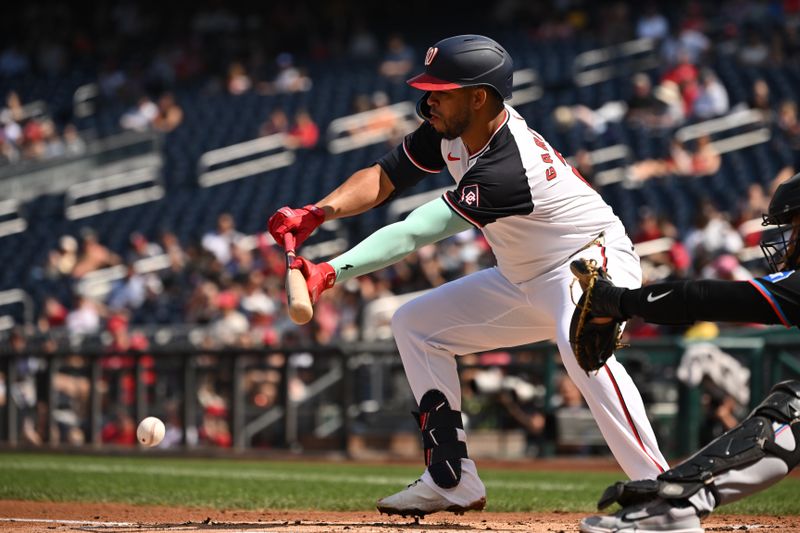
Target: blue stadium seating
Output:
[(216, 120)]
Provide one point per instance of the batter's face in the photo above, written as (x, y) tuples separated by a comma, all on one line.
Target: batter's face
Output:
[(451, 112)]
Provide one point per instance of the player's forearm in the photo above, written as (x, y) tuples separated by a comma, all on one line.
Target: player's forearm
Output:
[(360, 192), (428, 223)]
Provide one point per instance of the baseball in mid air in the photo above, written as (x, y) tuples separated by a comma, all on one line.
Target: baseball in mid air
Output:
[(150, 431)]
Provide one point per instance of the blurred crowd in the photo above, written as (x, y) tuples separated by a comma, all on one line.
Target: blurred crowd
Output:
[(228, 282), (231, 284), (163, 116), (681, 87), (139, 54), (28, 133)]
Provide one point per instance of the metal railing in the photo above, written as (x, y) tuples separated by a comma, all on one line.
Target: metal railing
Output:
[(371, 127), (116, 191), (16, 297), (725, 140), (103, 157), (236, 161), (319, 398), (527, 87), (11, 220), (624, 59)]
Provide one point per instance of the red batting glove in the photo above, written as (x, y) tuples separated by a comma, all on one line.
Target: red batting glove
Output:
[(319, 277), (300, 222)]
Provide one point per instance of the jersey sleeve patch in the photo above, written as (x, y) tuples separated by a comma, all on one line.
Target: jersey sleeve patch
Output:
[(470, 195), (496, 187), (448, 198), (419, 155)]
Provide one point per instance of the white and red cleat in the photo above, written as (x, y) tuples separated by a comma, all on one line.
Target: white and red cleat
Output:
[(419, 500)]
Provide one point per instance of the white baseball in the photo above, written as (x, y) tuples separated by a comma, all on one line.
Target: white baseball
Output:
[(150, 431)]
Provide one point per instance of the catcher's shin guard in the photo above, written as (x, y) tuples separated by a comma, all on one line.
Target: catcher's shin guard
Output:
[(743, 460), (443, 451)]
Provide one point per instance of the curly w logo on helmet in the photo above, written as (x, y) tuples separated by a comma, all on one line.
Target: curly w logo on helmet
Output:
[(432, 51)]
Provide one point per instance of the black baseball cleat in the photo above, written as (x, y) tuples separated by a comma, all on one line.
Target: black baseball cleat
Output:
[(605, 296)]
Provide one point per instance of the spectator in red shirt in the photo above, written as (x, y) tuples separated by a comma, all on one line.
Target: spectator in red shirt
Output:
[(685, 74), (649, 227), (121, 429), (54, 314), (304, 133), (119, 365)]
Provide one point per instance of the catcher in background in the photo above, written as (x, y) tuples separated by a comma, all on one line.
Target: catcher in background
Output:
[(746, 459)]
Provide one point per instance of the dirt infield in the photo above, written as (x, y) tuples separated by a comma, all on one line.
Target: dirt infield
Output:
[(49, 517)]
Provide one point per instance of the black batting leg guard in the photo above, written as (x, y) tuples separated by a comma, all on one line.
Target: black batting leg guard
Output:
[(442, 449), (740, 462)]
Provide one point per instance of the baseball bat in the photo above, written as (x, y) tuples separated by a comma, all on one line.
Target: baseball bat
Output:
[(300, 309)]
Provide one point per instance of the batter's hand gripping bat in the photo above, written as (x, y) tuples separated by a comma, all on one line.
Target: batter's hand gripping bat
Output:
[(300, 309)]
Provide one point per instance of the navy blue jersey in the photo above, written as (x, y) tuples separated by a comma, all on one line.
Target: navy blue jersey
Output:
[(782, 291)]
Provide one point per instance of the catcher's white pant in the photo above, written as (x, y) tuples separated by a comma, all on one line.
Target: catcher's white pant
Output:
[(485, 311)]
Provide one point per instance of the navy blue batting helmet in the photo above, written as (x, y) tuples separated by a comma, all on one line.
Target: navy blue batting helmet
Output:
[(780, 252), (785, 202), (465, 61)]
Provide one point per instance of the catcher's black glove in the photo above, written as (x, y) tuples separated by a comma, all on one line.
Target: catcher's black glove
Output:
[(593, 334)]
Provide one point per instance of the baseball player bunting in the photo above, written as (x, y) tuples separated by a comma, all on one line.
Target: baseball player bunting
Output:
[(537, 214)]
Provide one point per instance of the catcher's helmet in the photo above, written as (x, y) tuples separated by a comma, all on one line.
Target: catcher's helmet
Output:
[(464, 61), (783, 207)]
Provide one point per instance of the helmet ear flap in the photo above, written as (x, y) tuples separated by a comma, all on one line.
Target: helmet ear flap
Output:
[(423, 109)]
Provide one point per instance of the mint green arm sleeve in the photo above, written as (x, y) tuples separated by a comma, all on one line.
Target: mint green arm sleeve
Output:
[(426, 224)]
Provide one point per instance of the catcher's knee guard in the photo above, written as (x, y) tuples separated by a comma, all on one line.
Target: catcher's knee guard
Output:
[(442, 449), (740, 448)]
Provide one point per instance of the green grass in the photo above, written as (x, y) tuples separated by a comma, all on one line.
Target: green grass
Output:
[(234, 484)]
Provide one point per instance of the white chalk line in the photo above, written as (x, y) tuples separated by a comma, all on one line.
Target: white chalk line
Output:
[(139, 526), (70, 522), (265, 475)]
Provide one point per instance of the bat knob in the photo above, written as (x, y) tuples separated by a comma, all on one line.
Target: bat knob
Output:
[(301, 313)]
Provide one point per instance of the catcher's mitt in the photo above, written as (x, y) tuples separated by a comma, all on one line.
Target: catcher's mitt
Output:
[(593, 338)]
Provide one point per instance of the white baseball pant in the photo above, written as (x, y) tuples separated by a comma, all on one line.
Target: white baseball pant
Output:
[(485, 311)]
